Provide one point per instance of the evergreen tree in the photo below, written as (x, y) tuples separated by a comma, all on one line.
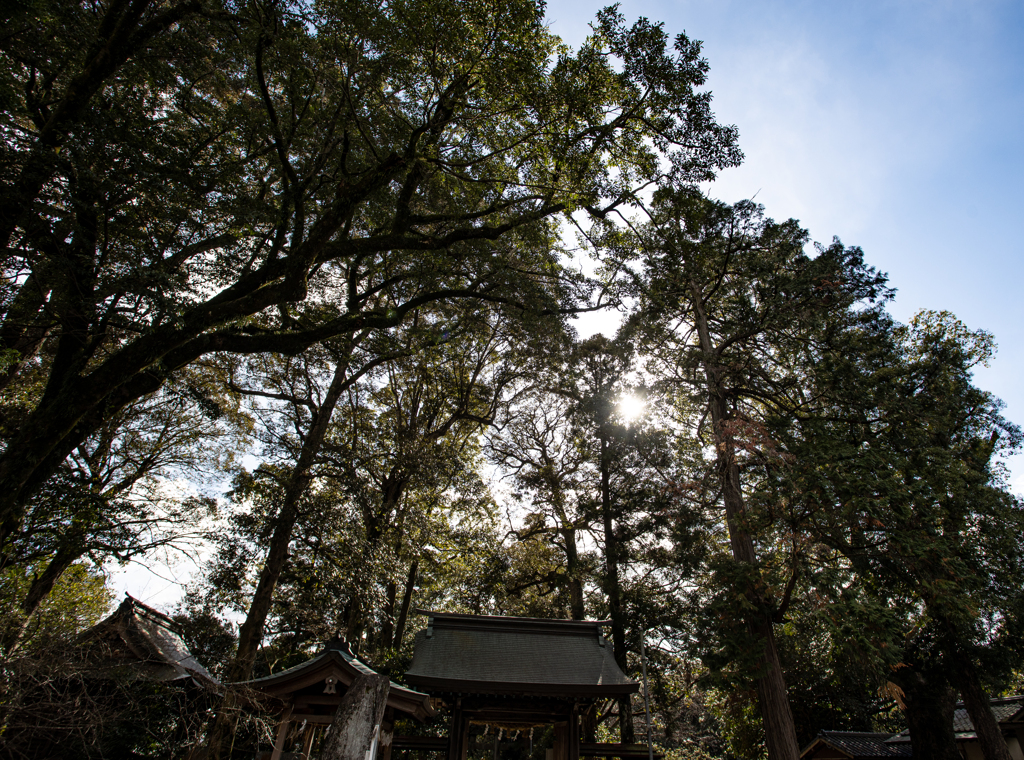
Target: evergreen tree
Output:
[(729, 302)]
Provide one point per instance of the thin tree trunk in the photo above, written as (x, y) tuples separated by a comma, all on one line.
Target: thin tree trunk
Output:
[(43, 584), (772, 696), (250, 634), (577, 610), (376, 526), (387, 626), (572, 569), (403, 614), (613, 590), (990, 737), (38, 590)]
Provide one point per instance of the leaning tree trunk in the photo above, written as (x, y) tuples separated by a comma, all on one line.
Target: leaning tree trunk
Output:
[(358, 720), (772, 696), (403, 613), (38, 590), (990, 737), (250, 634)]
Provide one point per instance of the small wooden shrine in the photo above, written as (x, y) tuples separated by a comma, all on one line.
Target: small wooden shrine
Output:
[(308, 695), (516, 673), (145, 641)]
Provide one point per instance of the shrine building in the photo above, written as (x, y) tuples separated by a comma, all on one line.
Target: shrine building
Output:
[(508, 673), (518, 673)]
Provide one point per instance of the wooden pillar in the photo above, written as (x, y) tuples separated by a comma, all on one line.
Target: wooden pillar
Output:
[(464, 738), (588, 724), (562, 741), (282, 734), (574, 732), (458, 733), (387, 733), (307, 740)]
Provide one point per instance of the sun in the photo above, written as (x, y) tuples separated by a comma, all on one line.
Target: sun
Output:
[(631, 407)]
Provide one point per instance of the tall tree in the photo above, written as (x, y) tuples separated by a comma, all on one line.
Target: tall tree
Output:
[(414, 431), (309, 406), (899, 469), (185, 179), (596, 470), (727, 299), (360, 444), (536, 449)]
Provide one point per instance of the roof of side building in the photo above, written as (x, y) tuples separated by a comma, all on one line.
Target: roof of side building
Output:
[(144, 639), (1005, 710), (336, 662), (857, 744)]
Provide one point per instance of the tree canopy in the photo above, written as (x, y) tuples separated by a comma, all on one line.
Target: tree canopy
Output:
[(291, 281)]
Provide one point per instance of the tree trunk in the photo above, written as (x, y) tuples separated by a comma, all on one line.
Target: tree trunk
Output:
[(358, 720), (403, 613), (772, 696), (613, 590), (387, 626), (43, 584), (929, 710), (377, 524), (572, 569), (250, 634), (990, 737)]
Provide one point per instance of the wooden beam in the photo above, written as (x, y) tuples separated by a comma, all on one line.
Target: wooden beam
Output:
[(307, 740), (574, 733), (622, 751), (282, 734), (421, 743)]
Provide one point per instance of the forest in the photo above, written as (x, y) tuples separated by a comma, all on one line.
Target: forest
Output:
[(292, 288)]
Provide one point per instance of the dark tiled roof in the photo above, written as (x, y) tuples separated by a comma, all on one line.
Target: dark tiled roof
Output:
[(1006, 710), (1003, 710), (858, 744), (488, 654)]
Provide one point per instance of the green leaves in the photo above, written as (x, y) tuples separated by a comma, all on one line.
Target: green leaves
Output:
[(228, 174)]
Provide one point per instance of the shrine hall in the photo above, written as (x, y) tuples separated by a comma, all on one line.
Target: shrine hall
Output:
[(508, 673), (518, 673)]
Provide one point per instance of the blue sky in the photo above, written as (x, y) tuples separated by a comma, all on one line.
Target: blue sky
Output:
[(895, 126)]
